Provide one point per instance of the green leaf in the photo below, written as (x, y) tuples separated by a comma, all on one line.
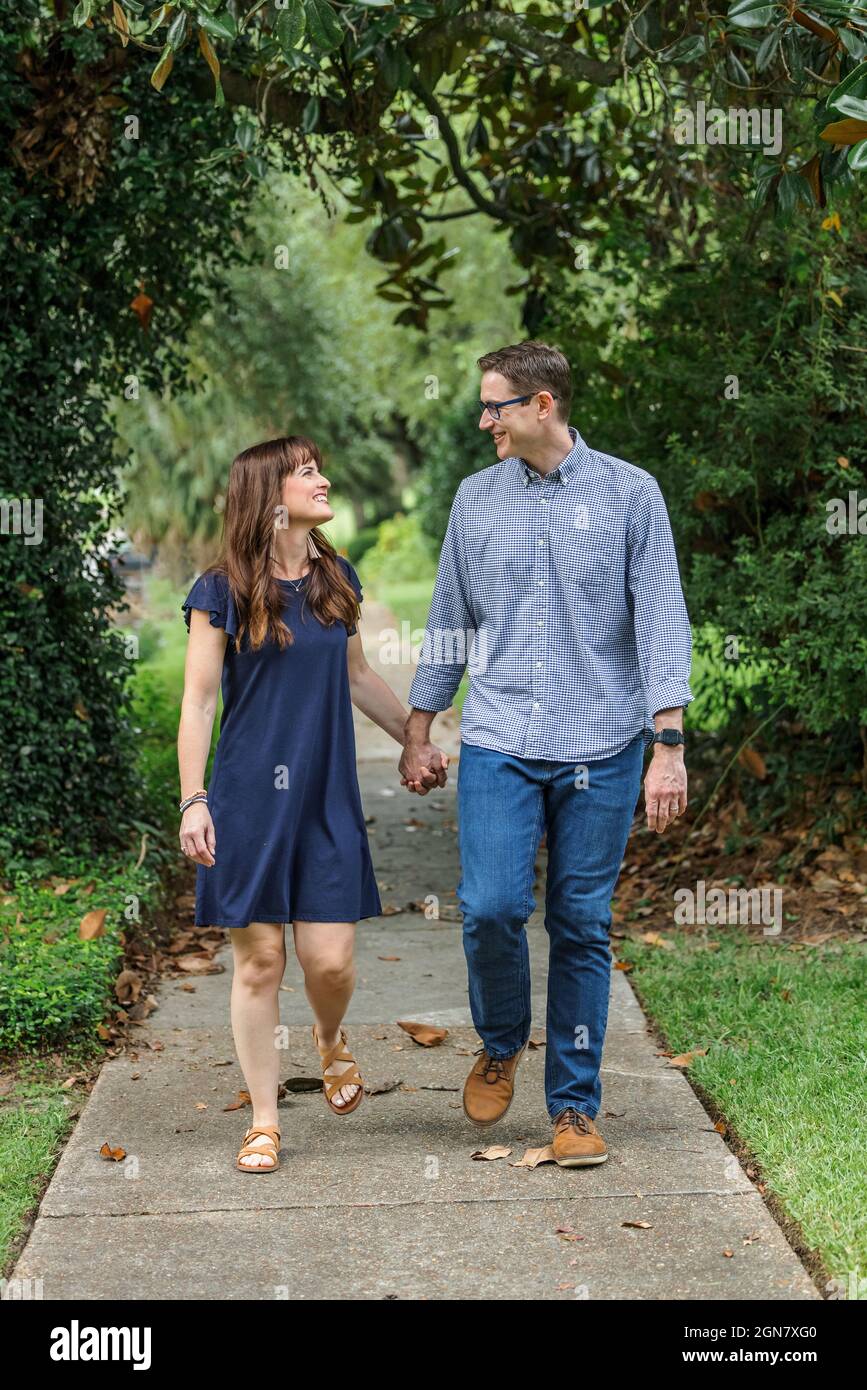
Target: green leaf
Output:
[(751, 14), (853, 43), (245, 135), (685, 50), (736, 70), (855, 83), (83, 11), (178, 30), (310, 116), (394, 67), (291, 25), (323, 26), (478, 138), (849, 105), (790, 190), (767, 50), (219, 26), (858, 156)]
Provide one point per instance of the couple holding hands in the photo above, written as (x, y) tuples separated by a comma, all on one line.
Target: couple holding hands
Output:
[(558, 587)]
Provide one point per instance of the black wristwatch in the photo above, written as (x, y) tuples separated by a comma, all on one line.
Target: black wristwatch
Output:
[(670, 737)]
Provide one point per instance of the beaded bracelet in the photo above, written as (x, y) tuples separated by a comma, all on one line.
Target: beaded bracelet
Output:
[(197, 796)]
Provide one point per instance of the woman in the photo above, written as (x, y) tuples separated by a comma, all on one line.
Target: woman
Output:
[(279, 835)]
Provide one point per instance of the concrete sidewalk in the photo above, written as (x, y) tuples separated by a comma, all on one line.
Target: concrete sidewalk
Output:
[(388, 1203)]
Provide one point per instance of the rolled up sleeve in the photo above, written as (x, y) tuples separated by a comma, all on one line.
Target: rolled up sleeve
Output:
[(662, 633), (450, 625)]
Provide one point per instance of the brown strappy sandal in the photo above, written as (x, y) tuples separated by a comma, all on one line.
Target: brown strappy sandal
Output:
[(269, 1150), (331, 1084)]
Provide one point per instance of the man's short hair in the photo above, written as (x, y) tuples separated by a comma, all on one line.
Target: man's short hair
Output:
[(532, 367)]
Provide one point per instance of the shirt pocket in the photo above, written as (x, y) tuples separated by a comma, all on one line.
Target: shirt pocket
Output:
[(589, 561)]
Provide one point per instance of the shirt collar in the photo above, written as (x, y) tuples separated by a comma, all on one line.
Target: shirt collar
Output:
[(576, 459)]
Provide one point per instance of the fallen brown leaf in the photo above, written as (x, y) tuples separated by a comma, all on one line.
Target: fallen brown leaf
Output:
[(653, 938), (533, 1157), (685, 1059), (199, 965), (127, 987), (92, 924), (425, 1034)]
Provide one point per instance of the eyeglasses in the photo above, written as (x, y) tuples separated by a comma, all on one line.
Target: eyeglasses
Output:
[(494, 407)]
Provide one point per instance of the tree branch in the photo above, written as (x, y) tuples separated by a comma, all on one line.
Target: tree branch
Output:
[(514, 30), (486, 205)]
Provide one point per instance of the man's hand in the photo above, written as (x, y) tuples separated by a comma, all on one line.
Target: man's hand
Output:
[(422, 766), (665, 787)]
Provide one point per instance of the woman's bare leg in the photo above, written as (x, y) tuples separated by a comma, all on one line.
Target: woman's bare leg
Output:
[(325, 954), (260, 959)]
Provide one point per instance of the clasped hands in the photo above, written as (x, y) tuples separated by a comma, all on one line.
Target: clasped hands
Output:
[(422, 766)]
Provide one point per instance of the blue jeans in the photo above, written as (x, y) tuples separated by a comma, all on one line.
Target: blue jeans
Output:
[(504, 802)]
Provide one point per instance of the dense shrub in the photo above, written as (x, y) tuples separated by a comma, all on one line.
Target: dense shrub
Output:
[(93, 224)]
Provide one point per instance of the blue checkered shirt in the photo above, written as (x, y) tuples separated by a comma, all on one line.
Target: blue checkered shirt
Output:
[(561, 595)]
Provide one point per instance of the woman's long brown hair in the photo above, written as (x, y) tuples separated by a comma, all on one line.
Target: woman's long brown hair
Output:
[(253, 508)]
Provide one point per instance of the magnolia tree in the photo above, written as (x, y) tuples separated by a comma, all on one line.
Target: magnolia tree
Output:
[(547, 118)]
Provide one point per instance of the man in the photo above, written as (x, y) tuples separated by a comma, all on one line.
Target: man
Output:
[(559, 566)]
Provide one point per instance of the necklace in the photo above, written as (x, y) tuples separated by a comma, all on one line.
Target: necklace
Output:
[(296, 583)]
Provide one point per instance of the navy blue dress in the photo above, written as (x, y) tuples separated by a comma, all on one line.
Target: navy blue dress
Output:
[(283, 795)]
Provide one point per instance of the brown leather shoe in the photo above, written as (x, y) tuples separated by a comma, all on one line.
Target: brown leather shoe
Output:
[(489, 1088), (577, 1142)]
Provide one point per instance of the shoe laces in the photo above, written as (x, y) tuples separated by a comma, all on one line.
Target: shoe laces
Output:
[(576, 1118), (495, 1065)]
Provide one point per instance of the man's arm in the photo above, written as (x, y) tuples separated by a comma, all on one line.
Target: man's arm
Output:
[(448, 635), (664, 644)]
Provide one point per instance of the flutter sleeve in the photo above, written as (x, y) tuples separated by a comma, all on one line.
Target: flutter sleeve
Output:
[(356, 584), (211, 593)]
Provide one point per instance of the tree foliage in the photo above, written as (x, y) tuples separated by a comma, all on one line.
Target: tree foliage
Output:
[(738, 382), (112, 246), (554, 120)]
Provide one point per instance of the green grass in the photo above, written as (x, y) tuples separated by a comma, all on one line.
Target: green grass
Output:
[(36, 1116), (55, 989), (785, 1031)]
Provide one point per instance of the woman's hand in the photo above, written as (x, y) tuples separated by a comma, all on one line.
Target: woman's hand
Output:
[(197, 835)]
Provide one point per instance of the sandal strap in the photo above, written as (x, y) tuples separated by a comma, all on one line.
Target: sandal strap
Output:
[(267, 1151), (272, 1130), (334, 1084), (333, 1054)]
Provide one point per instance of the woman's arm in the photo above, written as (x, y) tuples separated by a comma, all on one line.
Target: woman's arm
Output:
[(204, 665), (378, 701), (371, 694)]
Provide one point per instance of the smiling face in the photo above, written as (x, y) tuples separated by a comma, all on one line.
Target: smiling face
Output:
[(305, 494), (519, 427)]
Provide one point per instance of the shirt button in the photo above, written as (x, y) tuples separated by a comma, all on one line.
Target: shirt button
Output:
[(541, 542), (536, 704), (540, 622), (538, 663)]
